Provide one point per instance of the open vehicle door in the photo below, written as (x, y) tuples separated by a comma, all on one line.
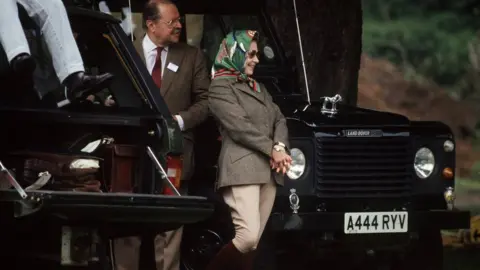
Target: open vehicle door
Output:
[(86, 172)]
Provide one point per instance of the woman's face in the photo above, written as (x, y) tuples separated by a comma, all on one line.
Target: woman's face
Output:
[(251, 59)]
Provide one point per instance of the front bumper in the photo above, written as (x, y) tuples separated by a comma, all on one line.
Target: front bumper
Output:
[(417, 220)]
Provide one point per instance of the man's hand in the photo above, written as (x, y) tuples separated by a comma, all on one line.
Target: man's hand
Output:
[(109, 101), (91, 98), (280, 161)]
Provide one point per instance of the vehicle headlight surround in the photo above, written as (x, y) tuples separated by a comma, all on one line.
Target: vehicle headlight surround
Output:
[(424, 162), (298, 166)]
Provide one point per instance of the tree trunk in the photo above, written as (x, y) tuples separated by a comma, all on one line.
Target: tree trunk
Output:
[(331, 32)]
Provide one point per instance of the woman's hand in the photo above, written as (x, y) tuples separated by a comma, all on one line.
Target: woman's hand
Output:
[(280, 161)]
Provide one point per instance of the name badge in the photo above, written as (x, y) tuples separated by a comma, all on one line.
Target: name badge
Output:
[(172, 67)]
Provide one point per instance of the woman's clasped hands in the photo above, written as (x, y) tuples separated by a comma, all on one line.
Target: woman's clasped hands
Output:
[(280, 161)]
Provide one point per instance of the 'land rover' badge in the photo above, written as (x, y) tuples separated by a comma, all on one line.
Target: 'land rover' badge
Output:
[(362, 133)]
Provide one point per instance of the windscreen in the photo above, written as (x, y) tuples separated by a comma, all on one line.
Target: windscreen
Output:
[(205, 26), (206, 31)]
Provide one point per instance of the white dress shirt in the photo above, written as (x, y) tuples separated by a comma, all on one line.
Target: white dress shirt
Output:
[(150, 54)]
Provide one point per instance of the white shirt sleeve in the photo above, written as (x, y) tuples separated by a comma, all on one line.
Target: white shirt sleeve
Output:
[(180, 121)]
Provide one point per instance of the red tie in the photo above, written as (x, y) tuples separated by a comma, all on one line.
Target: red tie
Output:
[(157, 68)]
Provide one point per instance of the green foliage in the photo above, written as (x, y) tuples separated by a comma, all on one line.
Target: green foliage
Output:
[(427, 38)]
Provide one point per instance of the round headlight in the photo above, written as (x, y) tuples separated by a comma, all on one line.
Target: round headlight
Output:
[(424, 162), (298, 164)]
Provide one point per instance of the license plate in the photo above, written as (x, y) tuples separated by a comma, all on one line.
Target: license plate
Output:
[(375, 222)]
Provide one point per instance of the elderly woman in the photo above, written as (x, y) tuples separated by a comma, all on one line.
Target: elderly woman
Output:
[(254, 157)]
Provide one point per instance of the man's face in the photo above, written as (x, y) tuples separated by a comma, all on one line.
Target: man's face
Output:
[(167, 28)]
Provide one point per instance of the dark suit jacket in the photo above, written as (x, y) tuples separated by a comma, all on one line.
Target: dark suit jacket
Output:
[(185, 91), (250, 123)]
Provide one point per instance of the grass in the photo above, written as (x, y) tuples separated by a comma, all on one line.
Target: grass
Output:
[(464, 184)]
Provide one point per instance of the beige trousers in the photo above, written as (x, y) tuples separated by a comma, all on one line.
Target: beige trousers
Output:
[(167, 244), (250, 206), (127, 253), (167, 251)]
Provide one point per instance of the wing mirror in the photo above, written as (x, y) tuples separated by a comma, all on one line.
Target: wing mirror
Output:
[(268, 52)]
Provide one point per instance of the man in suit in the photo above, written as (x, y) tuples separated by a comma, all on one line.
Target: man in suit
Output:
[(180, 72)]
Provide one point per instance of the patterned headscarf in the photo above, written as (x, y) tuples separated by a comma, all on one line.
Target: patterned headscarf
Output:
[(230, 59)]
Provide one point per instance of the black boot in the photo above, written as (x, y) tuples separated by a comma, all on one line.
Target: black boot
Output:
[(79, 85), (23, 65)]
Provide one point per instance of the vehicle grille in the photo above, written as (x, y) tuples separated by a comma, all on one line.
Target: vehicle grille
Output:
[(363, 167)]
